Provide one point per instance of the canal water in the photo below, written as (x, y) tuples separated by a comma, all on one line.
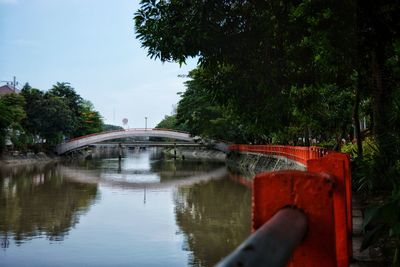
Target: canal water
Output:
[(142, 211)]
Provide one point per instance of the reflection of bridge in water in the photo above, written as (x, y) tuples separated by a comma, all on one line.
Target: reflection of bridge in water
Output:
[(83, 141), (87, 176), (145, 144)]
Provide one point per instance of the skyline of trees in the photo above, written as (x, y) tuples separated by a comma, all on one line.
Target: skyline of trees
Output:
[(34, 119)]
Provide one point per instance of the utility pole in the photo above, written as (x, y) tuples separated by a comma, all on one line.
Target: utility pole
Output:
[(145, 123), (113, 116)]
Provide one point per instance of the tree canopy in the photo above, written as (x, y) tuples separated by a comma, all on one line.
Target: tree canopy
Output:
[(290, 71), (12, 113), (33, 116), (263, 62)]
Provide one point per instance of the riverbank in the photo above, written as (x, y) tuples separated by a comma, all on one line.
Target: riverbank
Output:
[(200, 153), (27, 158), (250, 163)]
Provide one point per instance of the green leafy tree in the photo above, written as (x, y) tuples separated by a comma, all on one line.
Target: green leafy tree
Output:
[(109, 127), (378, 31), (326, 110), (12, 113), (33, 99), (66, 93), (58, 113), (255, 53), (90, 120), (54, 119), (84, 119), (48, 116), (200, 114), (169, 122), (287, 67)]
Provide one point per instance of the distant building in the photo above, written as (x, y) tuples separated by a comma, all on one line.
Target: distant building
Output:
[(8, 89)]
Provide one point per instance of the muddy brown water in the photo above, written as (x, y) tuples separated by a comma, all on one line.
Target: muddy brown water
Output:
[(141, 211)]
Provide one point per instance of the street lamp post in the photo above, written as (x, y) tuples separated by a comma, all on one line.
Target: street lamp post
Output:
[(145, 123)]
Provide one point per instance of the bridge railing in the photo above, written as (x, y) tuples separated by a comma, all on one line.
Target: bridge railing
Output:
[(93, 134), (83, 141), (322, 193), (169, 130), (129, 129)]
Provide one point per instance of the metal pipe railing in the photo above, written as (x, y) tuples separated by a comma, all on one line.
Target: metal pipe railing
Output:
[(273, 243)]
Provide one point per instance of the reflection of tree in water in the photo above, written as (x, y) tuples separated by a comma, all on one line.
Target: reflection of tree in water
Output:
[(37, 201), (215, 218), (173, 169)]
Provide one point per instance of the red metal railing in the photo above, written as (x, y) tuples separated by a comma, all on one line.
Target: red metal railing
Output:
[(323, 193), (296, 153)]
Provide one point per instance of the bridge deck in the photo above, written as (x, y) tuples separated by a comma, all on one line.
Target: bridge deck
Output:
[(105, 136)]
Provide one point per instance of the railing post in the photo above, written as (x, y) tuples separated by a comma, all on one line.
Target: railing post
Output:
[(338, 166), (310, 192)]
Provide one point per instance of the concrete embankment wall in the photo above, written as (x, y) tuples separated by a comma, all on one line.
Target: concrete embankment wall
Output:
[(252, 163), (26, 159), (195, 153)]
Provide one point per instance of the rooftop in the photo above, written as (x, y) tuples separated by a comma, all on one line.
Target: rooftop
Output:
[(8, 89)]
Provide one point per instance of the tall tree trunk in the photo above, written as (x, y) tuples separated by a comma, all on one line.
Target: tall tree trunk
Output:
[(357, 97), (306, 136), (381, 98), (356, 120)]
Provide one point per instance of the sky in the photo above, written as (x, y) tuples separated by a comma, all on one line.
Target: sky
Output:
[(90, 44)]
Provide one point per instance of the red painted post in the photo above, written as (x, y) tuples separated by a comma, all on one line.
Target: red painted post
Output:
[(337, 165), (345, 158), (310, 192), (319, 160)]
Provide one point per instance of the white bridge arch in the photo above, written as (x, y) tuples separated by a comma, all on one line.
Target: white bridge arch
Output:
[(104, 136)]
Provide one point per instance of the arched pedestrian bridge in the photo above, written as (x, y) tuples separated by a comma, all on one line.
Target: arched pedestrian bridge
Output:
[(87, 140)]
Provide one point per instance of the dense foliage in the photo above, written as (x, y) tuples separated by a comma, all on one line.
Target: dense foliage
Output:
[(37, 119), (12, 113), (270, 67), (291, 72), (109, 127)]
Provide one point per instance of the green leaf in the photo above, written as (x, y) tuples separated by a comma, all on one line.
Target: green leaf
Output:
[(371, 237)]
